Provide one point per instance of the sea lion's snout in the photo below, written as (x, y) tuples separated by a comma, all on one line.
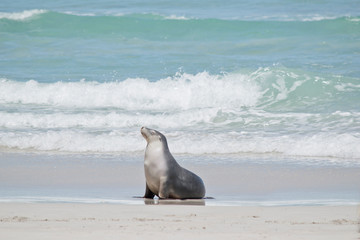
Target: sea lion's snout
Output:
[(145, 132), (142, 130)]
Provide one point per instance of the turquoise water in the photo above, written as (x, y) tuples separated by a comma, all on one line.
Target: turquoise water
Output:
[(50, 46), (260, 77)]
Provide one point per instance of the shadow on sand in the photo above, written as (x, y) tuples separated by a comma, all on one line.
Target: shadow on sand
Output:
[(158, 201)]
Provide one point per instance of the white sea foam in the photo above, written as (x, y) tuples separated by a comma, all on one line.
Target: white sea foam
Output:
[(20, 16), (320, 145), (175, 17), (193, 131), (80, 14), (106, 120), (291, 18), (317, 17), (353, 19), (338, 148), (347, 87), (185, 91), (200, 114)]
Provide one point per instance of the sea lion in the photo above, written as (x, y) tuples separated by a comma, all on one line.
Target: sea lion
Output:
[(165, 178)]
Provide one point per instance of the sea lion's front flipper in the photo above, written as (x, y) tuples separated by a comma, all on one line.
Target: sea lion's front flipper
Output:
[(148, 193)]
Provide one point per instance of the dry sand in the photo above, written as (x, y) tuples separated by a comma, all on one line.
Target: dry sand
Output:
[(112, 221)]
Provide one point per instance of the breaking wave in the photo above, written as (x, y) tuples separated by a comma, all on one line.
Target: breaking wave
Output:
[(245, 112)]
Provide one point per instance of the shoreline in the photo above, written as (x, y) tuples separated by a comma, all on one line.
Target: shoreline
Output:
[(114, 221), (211, 202)]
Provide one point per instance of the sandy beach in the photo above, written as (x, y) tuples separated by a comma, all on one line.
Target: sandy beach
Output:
[(64, 197), (113, 221)]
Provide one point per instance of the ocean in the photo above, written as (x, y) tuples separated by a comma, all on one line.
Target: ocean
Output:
[(277, 80)]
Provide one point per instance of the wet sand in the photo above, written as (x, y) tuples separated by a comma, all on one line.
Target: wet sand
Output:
[(119, 178)]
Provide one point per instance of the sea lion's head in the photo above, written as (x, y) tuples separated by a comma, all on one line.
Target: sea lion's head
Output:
[(153, 136)]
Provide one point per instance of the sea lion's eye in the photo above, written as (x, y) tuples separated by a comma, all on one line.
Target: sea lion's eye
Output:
[(152, 132), (160, 139)]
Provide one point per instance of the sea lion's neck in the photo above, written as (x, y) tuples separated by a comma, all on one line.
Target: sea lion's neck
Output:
[(154, 150)]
